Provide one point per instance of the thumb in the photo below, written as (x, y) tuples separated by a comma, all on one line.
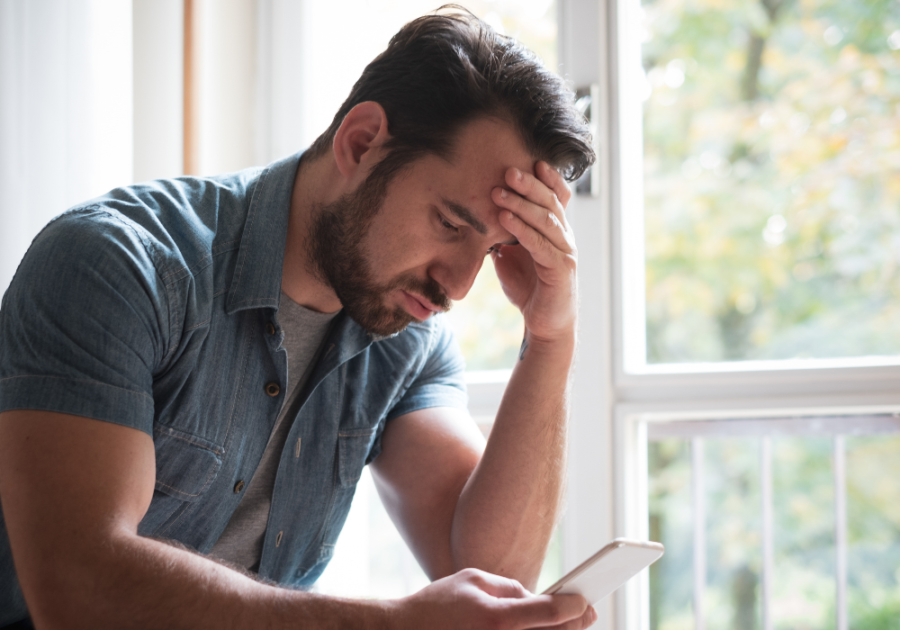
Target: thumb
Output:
[(499, 586)]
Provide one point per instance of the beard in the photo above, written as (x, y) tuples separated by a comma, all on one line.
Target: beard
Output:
[(337, 257)]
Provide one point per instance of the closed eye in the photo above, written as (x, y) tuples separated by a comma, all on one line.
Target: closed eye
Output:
[(446, 225)]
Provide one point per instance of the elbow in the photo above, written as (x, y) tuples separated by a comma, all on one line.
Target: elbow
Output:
[(69, 591)]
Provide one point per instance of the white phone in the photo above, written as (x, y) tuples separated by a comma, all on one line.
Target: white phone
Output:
[(608, 569)]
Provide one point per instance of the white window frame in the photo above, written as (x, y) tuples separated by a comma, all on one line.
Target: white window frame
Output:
[(614, 396)]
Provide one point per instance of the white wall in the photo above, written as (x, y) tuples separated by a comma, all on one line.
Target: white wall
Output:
[(225, 49), (158, 31), (65, 112)]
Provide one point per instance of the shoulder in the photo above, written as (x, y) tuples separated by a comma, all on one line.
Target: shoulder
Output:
[(425, 339)]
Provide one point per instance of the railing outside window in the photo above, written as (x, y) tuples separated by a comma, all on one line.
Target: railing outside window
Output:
[(780, 522)]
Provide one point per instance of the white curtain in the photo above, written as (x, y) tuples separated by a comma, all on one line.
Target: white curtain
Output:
[(65, 112)]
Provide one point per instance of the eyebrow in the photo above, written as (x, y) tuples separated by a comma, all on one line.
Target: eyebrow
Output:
[(469, 217), (466, 215)]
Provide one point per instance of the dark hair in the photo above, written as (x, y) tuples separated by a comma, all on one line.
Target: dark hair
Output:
[(443, 70)]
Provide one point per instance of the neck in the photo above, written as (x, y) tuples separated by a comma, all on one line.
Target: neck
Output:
[(314, 185)]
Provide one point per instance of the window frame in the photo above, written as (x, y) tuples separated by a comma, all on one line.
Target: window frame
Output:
[(614, 397)]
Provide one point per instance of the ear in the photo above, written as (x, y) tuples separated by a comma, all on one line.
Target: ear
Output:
[(358, 140)]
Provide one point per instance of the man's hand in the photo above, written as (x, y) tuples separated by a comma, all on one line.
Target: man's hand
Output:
[(539, 276), (473, 599)]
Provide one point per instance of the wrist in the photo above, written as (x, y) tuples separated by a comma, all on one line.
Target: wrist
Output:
[(558, 345)]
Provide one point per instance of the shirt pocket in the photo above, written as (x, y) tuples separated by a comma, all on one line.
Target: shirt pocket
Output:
[(353, 449), (186, 465)]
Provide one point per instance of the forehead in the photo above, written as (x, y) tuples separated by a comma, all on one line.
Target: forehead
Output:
[(482, 153)]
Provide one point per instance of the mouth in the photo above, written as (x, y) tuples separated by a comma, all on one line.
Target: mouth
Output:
[(419, 307)]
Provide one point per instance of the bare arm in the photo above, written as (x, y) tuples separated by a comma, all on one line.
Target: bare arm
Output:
[(73, 493), (511, 503), (497, 511)]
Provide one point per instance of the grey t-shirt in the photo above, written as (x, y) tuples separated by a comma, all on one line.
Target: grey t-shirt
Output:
[(304, 331)]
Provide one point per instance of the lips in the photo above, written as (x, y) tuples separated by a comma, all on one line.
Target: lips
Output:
[(419, 307)]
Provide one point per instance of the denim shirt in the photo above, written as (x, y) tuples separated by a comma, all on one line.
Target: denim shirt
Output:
[(156, 307)]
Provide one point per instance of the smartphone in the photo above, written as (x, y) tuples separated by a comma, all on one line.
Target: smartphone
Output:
[(608, 569)]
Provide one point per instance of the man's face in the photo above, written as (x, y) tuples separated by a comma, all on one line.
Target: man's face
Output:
[(338, 232), (403, 257)]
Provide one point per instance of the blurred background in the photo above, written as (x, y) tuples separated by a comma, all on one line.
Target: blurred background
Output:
[(771, 179)]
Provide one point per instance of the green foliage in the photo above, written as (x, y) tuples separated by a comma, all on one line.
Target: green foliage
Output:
[(772, 179), (803, 508)]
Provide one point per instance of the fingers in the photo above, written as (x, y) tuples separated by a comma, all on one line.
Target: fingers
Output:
[(554, 181), (585, 621), (538, 201), (563, 612), (546, 187), (544, 251)]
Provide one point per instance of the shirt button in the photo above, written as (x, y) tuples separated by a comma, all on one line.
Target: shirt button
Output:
[(272, 389), (239, 486), (270, 328), (278, 538)]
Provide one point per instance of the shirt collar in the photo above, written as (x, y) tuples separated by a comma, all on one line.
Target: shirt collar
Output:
[(257, 275)]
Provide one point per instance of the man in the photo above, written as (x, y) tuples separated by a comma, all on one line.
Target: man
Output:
[(194, 372)]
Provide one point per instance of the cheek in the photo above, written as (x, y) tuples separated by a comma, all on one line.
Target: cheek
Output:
[(395, 251)]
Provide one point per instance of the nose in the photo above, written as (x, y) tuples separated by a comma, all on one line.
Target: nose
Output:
[(457, 276)]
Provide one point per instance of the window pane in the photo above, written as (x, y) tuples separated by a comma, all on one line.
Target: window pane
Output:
[(873, 519), (804, 536), (772, 179), (804, 533), (671, 524)]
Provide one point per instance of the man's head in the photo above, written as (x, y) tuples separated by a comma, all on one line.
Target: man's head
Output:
[(441, 81), (441, 71)]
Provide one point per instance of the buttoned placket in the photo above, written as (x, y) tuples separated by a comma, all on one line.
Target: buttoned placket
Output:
[(280, 541)]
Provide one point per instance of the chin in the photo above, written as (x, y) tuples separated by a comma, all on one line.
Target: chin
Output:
[(383, 324)]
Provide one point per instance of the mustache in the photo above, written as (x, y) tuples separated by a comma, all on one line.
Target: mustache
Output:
[(427, 288)]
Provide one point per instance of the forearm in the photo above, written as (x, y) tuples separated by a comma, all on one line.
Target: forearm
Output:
[(511, 503), (135, 582)]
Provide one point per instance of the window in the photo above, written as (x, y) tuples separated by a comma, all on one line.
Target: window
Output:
[(770, 142), (753, 214)]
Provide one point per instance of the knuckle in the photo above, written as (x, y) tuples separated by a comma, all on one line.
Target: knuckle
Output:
[(472, 575)]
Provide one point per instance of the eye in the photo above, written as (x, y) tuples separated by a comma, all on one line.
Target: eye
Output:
[(447, 225)]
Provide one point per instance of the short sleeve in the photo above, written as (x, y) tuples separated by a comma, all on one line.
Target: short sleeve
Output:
[(441, 382), (81, 325)]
